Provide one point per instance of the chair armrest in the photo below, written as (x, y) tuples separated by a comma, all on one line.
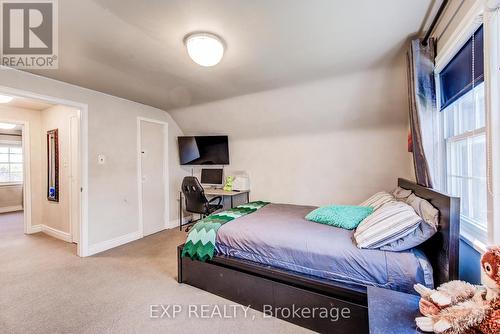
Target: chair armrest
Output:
[(216, 198)]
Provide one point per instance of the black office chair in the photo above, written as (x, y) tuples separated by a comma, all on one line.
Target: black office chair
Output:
[(196, 201)]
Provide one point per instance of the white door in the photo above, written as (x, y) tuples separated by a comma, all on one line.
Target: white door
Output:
[(153, 172)]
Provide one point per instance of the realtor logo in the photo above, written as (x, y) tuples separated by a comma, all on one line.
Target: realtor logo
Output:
[(29, 34)]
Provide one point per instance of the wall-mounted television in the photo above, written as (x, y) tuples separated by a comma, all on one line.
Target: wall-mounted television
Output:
[(203, 150)]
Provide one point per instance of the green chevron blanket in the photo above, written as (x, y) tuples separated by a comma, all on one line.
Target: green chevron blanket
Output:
[(200, 243)]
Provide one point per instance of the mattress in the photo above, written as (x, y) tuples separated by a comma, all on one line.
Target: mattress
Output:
[(278, 235)]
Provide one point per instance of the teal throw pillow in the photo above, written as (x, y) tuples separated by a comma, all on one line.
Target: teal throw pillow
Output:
[(343, 216)]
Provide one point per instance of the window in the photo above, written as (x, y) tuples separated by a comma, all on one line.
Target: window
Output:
[(11, 163), (463, 123), (465, 138)]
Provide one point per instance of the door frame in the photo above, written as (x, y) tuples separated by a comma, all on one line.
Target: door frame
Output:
[(166, 211), (74, 194), (83, 245), (25, 140)]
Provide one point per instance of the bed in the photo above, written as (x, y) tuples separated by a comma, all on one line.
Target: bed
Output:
[(278, 235), (317, 265)]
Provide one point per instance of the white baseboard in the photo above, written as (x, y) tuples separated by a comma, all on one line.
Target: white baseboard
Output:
[(53, 232), (35, 229), (172, 224), (11, 208), (175, 223), (124, 239), (112, 243)]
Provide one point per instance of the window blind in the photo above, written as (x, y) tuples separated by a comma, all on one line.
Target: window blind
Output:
[(464, 71)]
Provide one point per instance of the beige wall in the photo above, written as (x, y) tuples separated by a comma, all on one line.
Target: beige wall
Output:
[(57, 214), (112, 191), (331, 141), (11, 197), (35, 121)]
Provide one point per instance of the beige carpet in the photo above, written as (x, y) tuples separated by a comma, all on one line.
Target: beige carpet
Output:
[(46, 288)]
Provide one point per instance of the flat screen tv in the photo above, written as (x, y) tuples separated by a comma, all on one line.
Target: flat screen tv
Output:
[(203, 150)]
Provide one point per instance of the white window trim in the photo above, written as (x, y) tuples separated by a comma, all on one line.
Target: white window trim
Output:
[(476, 16), (492, 100), (9, 184)]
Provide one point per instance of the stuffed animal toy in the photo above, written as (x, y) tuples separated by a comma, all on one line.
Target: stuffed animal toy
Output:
[(228, 185), (448, 294), (461, 308)]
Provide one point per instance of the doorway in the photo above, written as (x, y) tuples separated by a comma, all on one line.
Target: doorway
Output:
[(11, 178), (38, 116), (152, 161)]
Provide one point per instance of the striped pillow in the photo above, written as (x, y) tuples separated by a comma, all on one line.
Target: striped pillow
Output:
[(389, 223), (377, 200)]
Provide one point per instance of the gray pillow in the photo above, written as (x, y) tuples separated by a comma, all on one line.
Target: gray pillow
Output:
[(401, 194), (424, 209), (424, 231), (419, 235)]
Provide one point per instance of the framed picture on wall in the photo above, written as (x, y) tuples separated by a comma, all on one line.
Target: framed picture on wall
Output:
[(53, 165)]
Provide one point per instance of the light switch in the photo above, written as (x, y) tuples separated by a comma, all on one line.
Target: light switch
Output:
[(101, 159)]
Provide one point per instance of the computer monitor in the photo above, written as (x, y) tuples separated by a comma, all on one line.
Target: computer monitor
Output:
[(211, 177)]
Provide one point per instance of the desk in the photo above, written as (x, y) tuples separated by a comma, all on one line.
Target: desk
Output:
[(212, 192)]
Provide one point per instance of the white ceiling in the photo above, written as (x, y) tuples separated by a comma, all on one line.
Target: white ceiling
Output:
[(134, 49), (15, 131), (31, 104)]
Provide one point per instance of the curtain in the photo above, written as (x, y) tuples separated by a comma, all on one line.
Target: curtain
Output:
[(422, 103)]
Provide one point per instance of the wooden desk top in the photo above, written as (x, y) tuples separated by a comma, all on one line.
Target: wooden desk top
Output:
[(221, 192)]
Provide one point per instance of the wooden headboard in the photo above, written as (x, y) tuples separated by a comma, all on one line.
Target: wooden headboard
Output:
[(442, 248)]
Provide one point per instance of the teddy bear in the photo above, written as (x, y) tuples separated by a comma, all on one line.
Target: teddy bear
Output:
[(458, 307), (448, 294)]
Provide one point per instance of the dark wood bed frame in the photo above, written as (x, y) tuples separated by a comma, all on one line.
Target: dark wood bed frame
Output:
[(256, 285)]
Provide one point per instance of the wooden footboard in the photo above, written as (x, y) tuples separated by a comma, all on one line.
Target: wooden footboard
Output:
[(318, 305)]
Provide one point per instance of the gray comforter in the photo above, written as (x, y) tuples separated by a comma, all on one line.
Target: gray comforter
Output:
[(278, 235)]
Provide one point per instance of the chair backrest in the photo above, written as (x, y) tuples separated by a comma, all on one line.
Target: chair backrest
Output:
[(196, 201)]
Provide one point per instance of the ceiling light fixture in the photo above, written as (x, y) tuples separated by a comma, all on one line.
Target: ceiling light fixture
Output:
[(5, 98), (204, 48), (7, 126)]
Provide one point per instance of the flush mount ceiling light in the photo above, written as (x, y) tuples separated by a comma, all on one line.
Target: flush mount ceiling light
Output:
[(5, 98), (205, 49), (7, 126)]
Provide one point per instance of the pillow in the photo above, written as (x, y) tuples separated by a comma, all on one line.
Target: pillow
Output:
[(401, 194), (390, 222), (422, 233), (424, 209), (377, 200), (343, 216)]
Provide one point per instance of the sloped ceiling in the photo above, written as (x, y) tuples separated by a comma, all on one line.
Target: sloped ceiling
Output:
[(133, 49)]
